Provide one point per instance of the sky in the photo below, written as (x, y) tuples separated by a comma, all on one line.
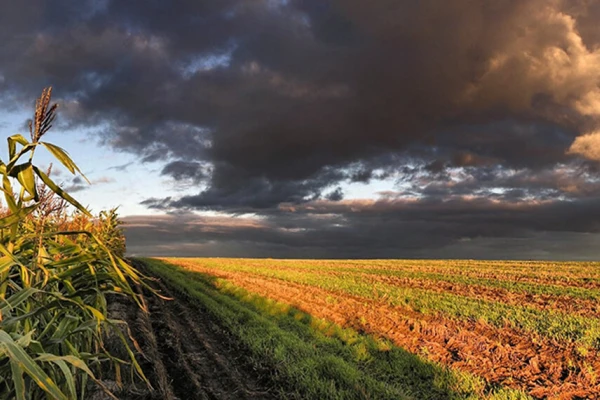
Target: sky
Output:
[(322, 128)]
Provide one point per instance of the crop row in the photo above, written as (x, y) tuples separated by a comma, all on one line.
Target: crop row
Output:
[(522, 276), (317, 358), (526, 268), (545, 322), (56, 271), (504, 356)]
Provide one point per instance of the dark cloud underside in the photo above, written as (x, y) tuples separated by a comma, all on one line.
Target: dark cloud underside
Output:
[(269, 105)]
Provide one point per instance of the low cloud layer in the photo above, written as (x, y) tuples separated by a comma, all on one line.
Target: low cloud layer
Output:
[(265, 104), (377, 229)]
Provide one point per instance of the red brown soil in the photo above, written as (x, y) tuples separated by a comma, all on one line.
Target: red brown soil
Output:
[(565, 304), (541, 277), (544, 368)]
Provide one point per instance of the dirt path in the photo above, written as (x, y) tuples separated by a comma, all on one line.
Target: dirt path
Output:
[(188, 356)]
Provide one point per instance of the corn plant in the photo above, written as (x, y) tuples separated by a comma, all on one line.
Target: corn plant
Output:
[(109, 229), (53, 284)]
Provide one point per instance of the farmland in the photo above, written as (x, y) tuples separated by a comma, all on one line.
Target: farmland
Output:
[(404, 328)]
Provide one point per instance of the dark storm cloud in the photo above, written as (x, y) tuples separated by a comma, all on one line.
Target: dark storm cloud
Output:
[(77, 184), (391, 226), (384, 228), (466, 216), (266, 102), (182, 170), (336, 195)]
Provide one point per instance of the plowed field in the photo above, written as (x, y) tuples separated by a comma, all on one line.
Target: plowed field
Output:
[(530, 326)]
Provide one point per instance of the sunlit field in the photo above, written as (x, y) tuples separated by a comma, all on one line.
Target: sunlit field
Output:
[(481, 328)]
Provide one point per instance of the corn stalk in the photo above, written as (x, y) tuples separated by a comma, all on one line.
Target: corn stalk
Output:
[(54, 283)]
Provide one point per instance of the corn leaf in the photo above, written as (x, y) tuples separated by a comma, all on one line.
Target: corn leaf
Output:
[(12, 144), (79, 259), (5, 263), (29, 366), (25, 176), (16, 299), (8, 194), (19, 381), (64, 158), (60, 361), (56, 189), (16, 157)]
